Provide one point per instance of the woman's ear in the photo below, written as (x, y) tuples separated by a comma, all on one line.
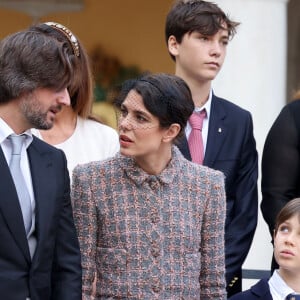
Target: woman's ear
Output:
[(173, 45), (171, 133)]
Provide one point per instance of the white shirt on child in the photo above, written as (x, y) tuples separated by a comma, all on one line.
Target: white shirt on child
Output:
[(278, 288)]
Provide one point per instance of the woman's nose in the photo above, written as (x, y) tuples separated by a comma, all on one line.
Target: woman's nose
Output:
[(125, 123)]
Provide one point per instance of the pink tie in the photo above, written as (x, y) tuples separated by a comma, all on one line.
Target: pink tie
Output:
[(195, 138)]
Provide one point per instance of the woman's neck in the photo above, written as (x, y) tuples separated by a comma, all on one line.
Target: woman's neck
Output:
[(64, 126), (154, 164)]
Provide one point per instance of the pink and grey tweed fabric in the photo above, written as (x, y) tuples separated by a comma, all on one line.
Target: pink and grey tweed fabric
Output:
[(150, 237)]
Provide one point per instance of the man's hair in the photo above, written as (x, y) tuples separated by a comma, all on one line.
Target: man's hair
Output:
[(187, 16), (31, 60), (292, 208)]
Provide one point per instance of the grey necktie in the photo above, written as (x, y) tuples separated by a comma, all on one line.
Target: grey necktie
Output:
[(22, 191)]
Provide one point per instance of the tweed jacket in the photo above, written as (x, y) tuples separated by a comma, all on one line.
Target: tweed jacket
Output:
[(150, 237)]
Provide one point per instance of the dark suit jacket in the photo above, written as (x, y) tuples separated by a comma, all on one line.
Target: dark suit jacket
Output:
[(281, 163), (55, 270), (260, 290), (280, 181), (231, 148)]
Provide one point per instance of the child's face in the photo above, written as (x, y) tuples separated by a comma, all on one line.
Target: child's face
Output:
[(287, 245), (199, 57)]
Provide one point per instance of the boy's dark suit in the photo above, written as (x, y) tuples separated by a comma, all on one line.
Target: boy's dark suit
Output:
[(55, 271), (260, 290), (231, 148)]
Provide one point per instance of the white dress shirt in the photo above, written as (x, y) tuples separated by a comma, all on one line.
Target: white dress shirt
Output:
[(90, 141), (278, 288)]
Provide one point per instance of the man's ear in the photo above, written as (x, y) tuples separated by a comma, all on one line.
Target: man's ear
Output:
[(173, 45), (171, 133)]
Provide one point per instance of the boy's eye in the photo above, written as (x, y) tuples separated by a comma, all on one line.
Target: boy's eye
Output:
[(284, 228), (225, 42)]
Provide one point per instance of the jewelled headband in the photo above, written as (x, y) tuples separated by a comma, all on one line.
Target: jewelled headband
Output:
[(68, 34)]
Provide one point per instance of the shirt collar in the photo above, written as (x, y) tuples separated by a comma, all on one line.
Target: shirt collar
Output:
[(278, 287), (6, 130), (139, 176)]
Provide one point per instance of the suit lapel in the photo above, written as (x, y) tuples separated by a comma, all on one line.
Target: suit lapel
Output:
[(10, 208), (42, 174), (261, 290), (217, 131)]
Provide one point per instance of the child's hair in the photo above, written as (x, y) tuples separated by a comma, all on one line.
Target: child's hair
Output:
[(291, 209)]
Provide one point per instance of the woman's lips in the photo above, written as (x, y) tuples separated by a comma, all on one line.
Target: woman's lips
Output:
[(125, 140)]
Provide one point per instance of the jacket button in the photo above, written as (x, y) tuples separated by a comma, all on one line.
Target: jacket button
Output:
[(156, 289)]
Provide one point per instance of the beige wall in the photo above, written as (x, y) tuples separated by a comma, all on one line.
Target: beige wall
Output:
[(133, 30), (293, 75)]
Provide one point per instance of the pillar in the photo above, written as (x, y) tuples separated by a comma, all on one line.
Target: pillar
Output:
[(254, 77)]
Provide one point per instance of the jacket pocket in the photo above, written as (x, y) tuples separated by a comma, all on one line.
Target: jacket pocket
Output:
[(112, 272), (192, 266)]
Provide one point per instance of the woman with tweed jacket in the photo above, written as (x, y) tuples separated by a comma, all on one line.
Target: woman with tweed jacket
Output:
[(151, 223)]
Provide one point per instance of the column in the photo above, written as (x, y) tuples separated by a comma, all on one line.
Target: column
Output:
[(254, 77)]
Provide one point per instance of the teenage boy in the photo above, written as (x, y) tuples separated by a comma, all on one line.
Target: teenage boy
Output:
[(197, 33)]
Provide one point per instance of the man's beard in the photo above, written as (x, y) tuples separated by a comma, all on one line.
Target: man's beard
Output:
[(34, 114)]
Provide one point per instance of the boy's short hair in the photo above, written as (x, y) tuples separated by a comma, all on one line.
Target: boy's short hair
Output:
[(291, 209), (187, 16)]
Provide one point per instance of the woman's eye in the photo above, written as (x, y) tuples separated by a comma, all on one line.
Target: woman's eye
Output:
[(123, 112), (141, 118)]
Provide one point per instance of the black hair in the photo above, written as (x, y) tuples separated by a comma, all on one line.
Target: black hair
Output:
[(187, 16), (167, 97)]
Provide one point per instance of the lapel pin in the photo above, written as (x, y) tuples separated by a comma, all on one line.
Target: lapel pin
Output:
[(220, 130)]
